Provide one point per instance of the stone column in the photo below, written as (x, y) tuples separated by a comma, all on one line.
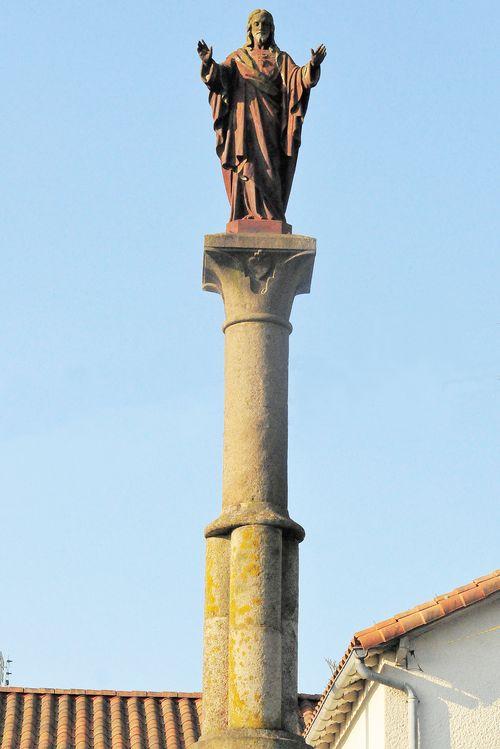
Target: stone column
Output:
[(251, 593)]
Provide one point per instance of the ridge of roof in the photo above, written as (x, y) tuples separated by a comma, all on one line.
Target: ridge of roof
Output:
[(430, 611), (126, 693), (388, 630), (101, 692)]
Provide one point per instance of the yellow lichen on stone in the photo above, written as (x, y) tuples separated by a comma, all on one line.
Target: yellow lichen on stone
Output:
[(210, 600)]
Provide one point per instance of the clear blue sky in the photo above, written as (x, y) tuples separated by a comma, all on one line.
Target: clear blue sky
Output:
[(111, 358)]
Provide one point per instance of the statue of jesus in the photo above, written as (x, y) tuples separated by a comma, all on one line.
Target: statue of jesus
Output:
[(259, 98)]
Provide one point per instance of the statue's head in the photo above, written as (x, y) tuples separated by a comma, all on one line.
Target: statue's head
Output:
[(260, 29)]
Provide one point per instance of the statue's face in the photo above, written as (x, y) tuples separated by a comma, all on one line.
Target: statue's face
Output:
[(261, 29)]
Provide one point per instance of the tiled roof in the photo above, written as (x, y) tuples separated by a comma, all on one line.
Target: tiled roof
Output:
[(90, 719), (439, 607), (389, 630)]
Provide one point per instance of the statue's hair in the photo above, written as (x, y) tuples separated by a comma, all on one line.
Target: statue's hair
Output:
[(259, 12)]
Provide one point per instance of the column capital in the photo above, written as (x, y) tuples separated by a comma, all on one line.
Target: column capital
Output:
[(258, 275)]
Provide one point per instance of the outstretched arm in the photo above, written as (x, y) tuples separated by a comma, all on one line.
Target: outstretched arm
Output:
[(311, 71), (211, 71)]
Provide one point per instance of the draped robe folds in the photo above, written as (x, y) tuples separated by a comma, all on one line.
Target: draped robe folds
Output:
[(259, 100)]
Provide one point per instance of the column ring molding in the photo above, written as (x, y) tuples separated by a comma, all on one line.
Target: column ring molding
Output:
[(258, 317), (229, 520)]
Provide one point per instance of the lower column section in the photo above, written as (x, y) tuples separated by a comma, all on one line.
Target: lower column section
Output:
[(215, 651), (254, 673), (289, 628), (246, 738)]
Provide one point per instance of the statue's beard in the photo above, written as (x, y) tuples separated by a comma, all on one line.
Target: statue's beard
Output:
[(261, 39)]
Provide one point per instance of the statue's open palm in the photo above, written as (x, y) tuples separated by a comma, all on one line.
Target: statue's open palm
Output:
[(204, 51), (318, 55)]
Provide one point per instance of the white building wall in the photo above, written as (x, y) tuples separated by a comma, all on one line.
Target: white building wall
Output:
[(456, 675), (366, 730), (395, 719), (459, 684)]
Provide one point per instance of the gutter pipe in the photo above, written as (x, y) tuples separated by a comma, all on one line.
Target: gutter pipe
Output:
[(391, 681)]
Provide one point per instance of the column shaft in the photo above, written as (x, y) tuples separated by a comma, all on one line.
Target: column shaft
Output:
[(216, 632), (251, 596), (255, 628), (255, 415), (289, 628)]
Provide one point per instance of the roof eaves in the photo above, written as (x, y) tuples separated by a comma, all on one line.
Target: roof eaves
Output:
[(338, 702)]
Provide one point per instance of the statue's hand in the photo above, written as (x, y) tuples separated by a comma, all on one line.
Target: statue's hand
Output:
[(318, 56), (204, 51)]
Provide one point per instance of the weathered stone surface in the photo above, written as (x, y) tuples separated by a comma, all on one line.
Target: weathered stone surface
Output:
[(291, 242), (260, 514), (255, 416), (216, 634), (252, 739), (251, 608), (289, 633), (255, 628), (258, 278)]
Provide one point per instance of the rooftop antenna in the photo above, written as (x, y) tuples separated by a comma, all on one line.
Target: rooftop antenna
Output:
[(8, 672), (5, 671)]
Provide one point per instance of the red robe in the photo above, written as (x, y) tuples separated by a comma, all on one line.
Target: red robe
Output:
[(259, 100)]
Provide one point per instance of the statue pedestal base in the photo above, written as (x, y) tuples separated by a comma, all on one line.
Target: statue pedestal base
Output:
[(258, 225)]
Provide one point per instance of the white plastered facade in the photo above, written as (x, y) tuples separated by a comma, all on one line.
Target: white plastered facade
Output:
[(455, 672)]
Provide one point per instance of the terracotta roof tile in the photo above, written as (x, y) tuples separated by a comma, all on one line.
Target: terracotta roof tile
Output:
[(430, 611), (390, 629), (469, 586), (105, 719), (490, 586), (450, 604), (412, 620)]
